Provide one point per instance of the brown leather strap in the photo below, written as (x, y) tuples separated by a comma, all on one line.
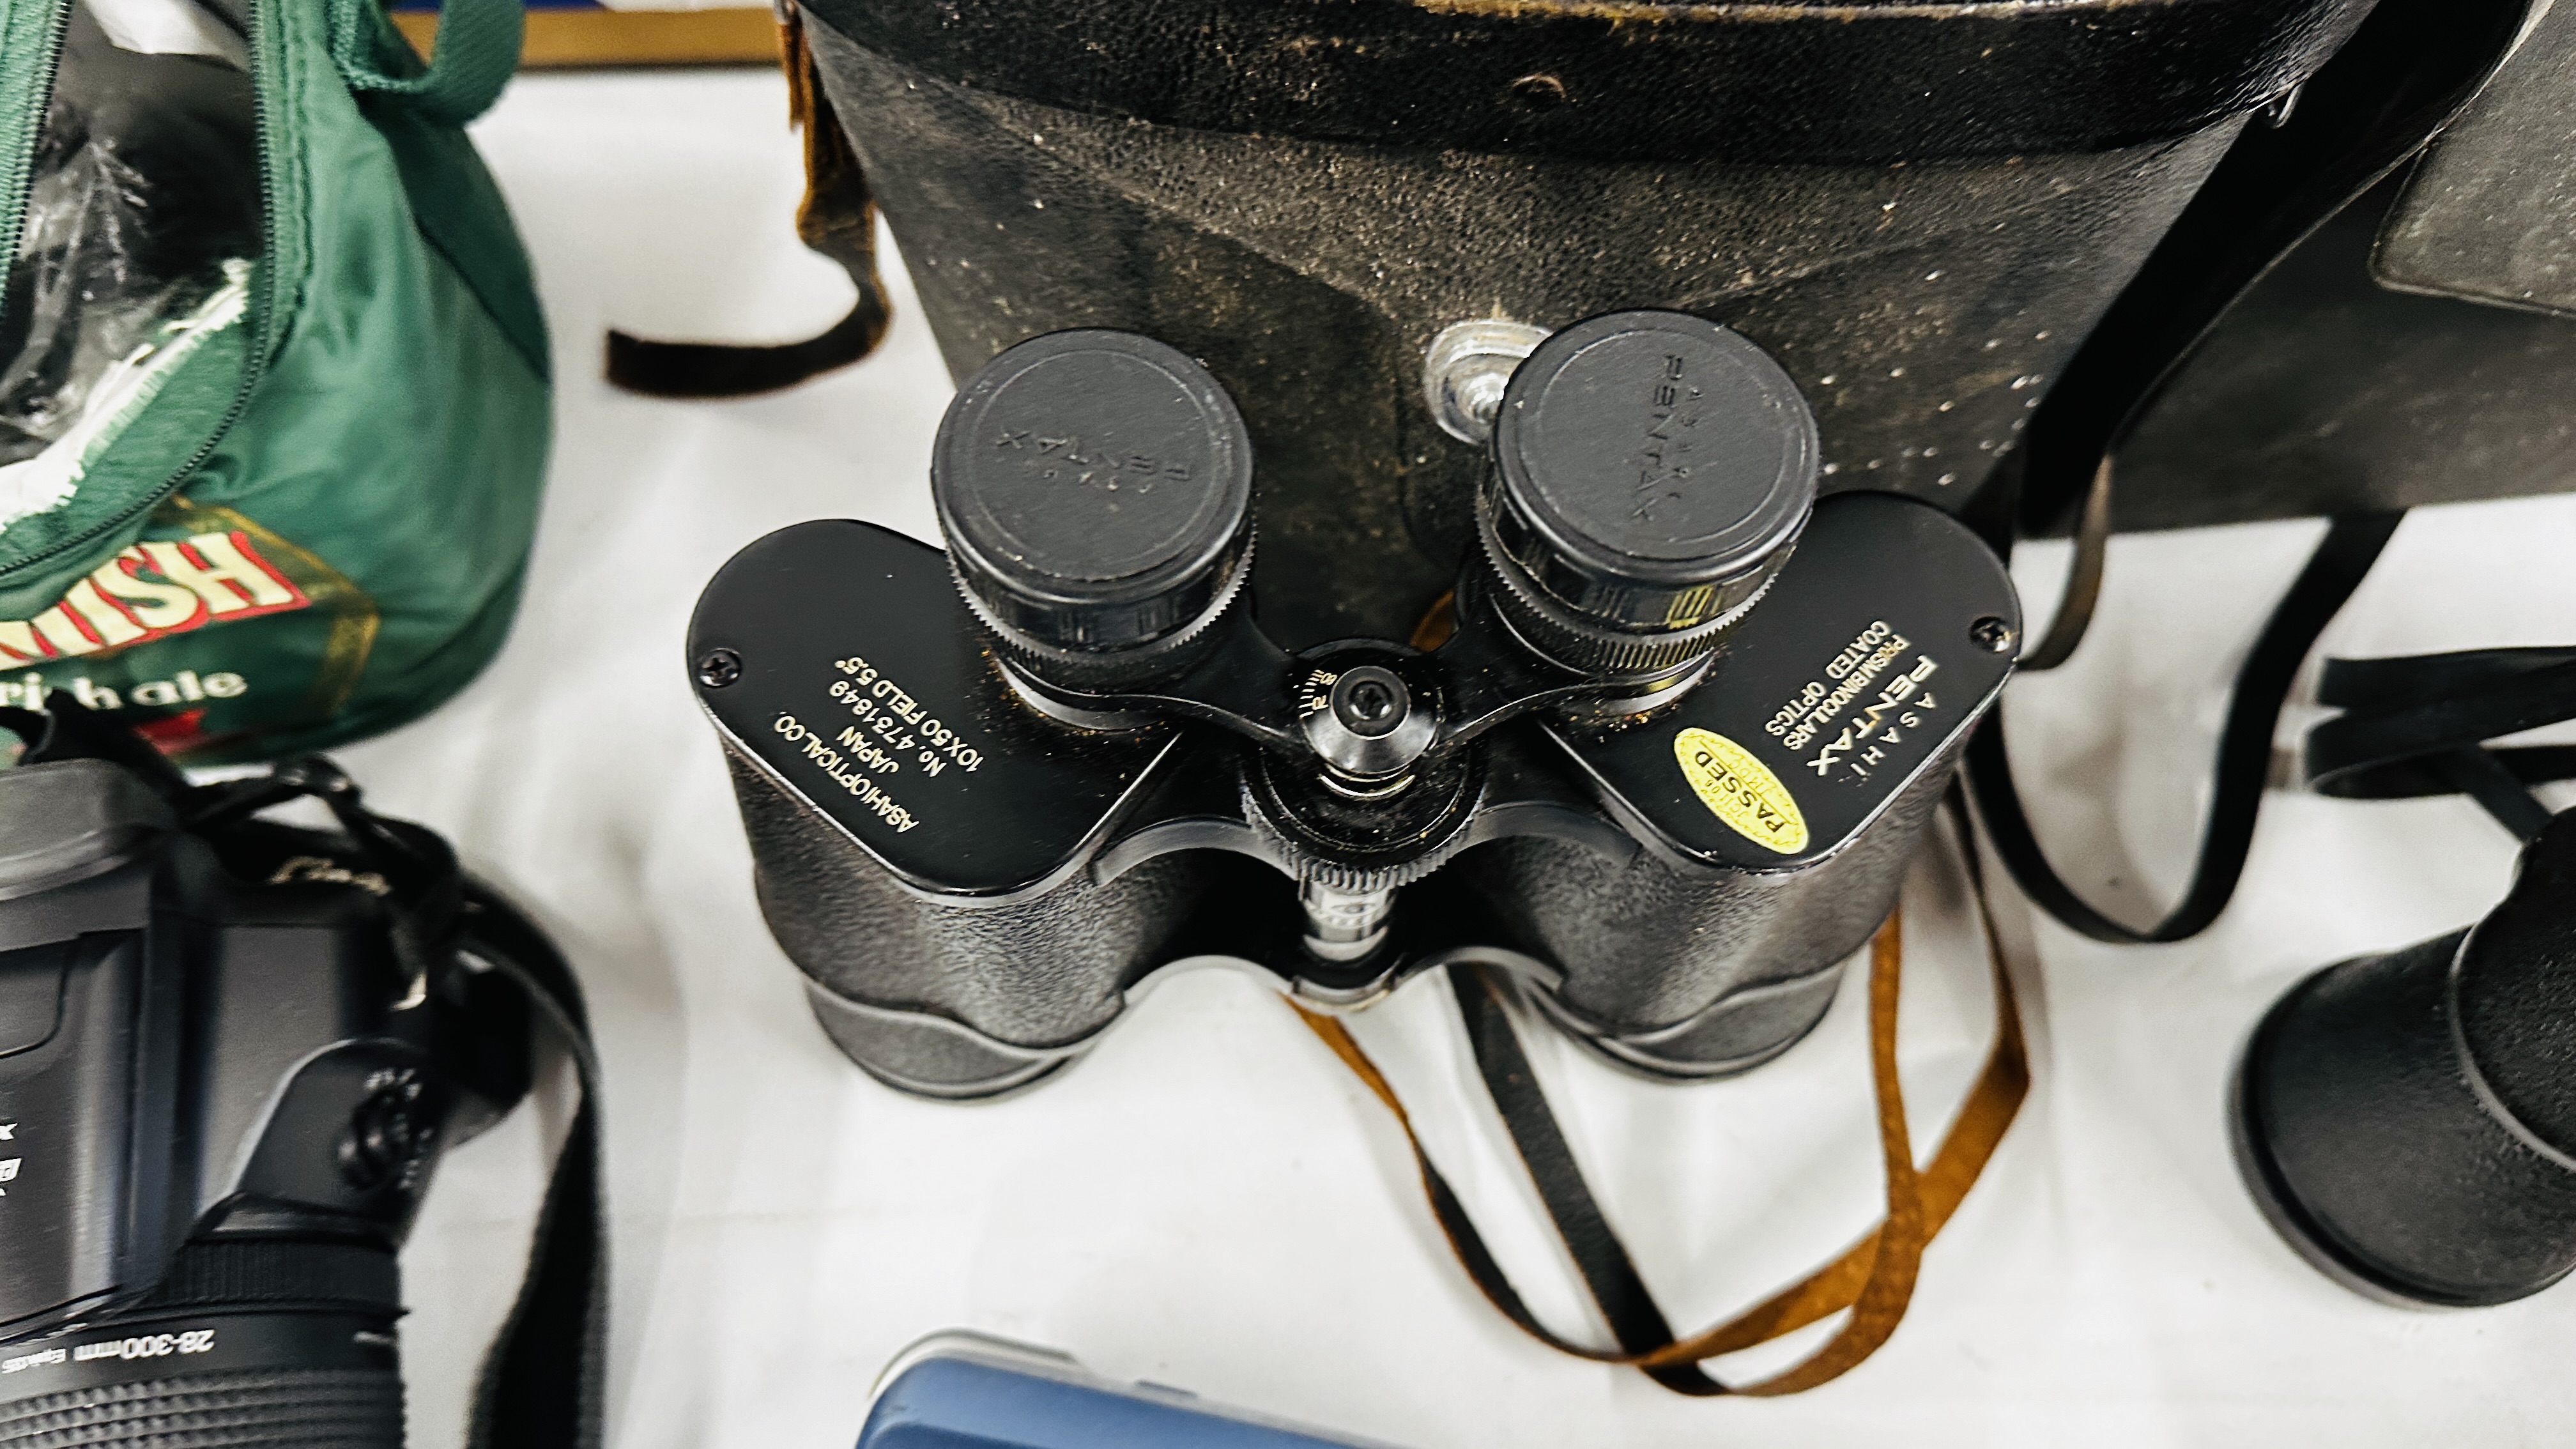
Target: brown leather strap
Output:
[(837, 219), (1874, 1278), (1979, 1129), (1438, 623)]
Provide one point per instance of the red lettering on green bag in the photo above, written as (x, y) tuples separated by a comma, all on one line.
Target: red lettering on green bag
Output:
[(152, 591)]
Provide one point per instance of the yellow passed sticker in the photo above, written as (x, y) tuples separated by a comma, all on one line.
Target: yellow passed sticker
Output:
[(1740, 790)]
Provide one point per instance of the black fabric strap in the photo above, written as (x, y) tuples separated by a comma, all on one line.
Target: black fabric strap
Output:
[(545, 1381), (2482, 777), (2244, 760), (2406, 680), (543, 1384), (837, 220)]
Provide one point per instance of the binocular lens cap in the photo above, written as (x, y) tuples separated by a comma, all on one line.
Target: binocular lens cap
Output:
[(1094, 488), (1657, 448), (1652, 470)]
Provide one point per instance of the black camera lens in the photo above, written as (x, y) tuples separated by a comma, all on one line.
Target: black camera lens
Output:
[(1652, 471), (1096, 488)]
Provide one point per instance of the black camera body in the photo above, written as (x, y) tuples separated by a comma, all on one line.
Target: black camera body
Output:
[(1668, 763), (224, 1085)]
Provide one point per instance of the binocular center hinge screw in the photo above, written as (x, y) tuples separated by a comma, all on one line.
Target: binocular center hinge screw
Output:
[(718, 668), (1365, 723)]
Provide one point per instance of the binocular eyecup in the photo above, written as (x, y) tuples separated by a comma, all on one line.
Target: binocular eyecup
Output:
[(1095, 489), (1652, 471)]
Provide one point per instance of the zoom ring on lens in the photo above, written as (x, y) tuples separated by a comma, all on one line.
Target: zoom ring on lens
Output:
[(245, 1409)]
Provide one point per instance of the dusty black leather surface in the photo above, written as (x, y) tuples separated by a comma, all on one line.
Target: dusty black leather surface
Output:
[(1923, 309), (2252, 368), (2490, 215), (1629, 79), (2325, 392)]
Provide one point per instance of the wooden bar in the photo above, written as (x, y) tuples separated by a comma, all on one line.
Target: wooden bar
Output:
[(559, 39)]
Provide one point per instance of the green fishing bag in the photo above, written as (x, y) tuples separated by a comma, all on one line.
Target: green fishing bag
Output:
[(300, 512)]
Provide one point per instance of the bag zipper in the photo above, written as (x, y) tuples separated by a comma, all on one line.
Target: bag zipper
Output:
[(19, 179), (18, 171)]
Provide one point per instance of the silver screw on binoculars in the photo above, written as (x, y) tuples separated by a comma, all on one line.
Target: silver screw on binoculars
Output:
[(1367, 726)]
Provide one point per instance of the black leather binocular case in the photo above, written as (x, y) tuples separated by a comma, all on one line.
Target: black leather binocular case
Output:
[(1664, 752), (2408, 1121)]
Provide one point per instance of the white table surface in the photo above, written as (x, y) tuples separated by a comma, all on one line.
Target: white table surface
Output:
[(1209, 1201)]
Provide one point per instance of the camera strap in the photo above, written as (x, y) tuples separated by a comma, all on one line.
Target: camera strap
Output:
[(1874, 1278), (543, 1383), (544, 1380)]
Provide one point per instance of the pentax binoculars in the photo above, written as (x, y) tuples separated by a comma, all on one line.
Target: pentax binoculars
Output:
[(1663, 752)]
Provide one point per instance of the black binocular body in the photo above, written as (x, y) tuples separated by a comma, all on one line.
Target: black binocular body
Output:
[(1669, 761), (223, 1091), (2008, 253)]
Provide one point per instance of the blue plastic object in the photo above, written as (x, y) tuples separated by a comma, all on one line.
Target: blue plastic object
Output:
[(962, 1392)]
